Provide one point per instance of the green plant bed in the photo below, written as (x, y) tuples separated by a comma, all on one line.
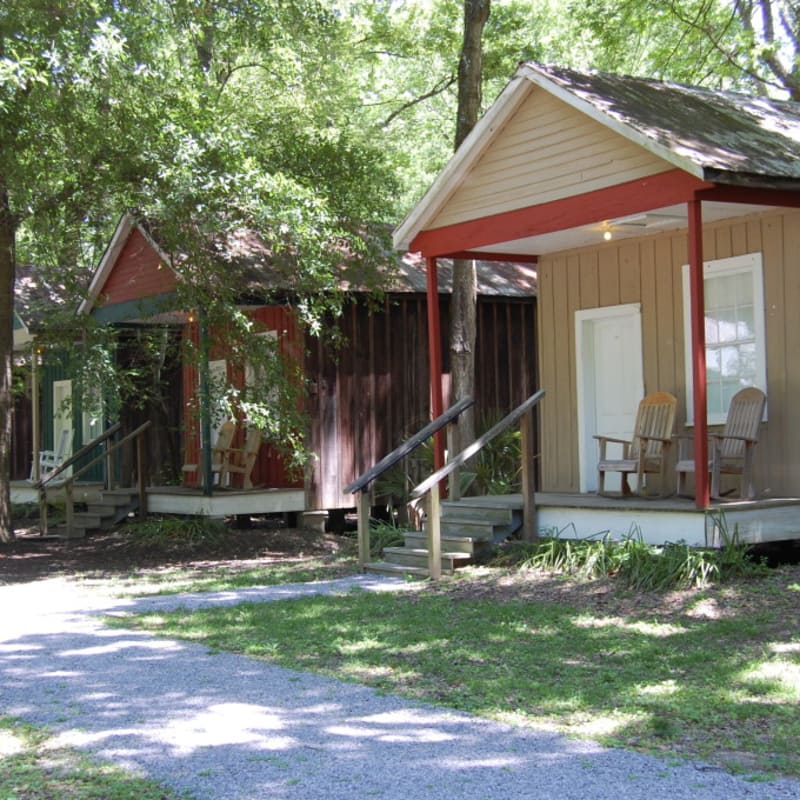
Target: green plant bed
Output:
[(639, 565)]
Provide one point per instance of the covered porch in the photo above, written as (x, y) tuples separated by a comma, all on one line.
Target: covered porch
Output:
[(667, 262)]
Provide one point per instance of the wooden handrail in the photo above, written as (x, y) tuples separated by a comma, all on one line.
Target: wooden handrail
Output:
[(360, 486), (469, 451), (408, 446), (109, 449), (430, 485), (87, 448)]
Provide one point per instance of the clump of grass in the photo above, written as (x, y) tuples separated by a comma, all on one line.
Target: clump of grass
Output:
[(172, 533), (640, 566), (383, 534), (33, 767)]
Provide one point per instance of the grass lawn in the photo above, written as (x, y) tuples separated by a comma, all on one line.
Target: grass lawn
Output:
[(713, 675), (35, 766)]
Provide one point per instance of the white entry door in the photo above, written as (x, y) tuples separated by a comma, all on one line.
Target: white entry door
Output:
[(62, 419), (610, 382)]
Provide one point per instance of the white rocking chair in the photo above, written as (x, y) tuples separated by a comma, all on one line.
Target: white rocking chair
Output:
[(49, 460)]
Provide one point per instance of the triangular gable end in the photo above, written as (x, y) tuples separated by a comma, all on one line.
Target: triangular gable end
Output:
[(518, 170), (132, 269), (547, 151)]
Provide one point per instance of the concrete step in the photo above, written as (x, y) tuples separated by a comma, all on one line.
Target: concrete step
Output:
[(418, 557), (385, 568), (102, 510), (475, 529), (450, 544), (474, 510)]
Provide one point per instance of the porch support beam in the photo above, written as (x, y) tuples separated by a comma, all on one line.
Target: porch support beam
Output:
[(697, 312), (435, 357), (205, 405), (632, 197)]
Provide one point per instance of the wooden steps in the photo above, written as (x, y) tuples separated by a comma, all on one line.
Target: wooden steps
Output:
[(470, 528), (111, 508)]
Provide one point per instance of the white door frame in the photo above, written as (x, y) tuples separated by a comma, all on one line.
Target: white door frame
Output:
[(585, 373)]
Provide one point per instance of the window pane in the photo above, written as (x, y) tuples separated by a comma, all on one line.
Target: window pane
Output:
[(712, 329), (713, 364), (746, 324), (729, 362), (744, 288), (727, 325)]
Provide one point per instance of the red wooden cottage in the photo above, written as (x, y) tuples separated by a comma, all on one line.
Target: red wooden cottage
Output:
[(361, 401)]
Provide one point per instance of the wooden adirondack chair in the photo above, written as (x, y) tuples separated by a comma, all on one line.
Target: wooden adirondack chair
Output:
[(730, 452), (219, 454), (648, 448), (242, 460)]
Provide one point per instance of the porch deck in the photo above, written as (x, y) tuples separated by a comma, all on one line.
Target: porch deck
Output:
[(223, 502), (670, 519), (22, 492)]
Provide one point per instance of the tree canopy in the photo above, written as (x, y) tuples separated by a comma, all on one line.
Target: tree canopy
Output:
[(306, 121)]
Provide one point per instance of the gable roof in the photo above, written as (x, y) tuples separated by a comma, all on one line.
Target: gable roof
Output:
[(720, 137), (258, 269)]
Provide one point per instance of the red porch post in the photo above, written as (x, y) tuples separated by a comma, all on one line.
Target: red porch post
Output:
[(697, 310), (435, 357)]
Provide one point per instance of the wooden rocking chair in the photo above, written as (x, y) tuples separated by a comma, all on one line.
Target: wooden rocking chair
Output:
[(240, 461), (219, 454), (730, 452), (648, 448)]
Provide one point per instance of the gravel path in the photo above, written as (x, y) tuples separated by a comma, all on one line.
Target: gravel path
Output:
[(225, 727)]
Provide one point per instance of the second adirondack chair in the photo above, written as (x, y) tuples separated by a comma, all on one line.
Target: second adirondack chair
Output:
[(240, 461), (729, 452), (648, 448)]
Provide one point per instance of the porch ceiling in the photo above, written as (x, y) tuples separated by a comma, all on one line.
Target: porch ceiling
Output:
[(657, 220)]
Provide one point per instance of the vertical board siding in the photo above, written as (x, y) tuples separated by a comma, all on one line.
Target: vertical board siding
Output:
[(377, 386), (270, 468), (648, 271), (138, 272)]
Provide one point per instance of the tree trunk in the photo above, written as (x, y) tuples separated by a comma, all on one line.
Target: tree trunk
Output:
[(7, 273), (463, 313)]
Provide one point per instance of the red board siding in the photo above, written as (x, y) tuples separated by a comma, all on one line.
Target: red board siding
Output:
[(269, 469), (374, 393), (137, 273)]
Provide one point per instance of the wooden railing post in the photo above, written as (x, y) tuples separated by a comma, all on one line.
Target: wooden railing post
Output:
[(140, 477), (453, 447), (70, 509), (530, 531), (109, 466), (434, 528), (42, 511), (363, 527)]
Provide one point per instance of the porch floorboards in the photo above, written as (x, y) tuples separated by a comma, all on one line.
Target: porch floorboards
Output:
[(660, 520)]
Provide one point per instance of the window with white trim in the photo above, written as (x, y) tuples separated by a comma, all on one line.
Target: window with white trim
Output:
[(734, 329)]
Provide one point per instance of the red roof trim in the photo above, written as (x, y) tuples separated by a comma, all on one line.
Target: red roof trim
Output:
[(644, 194)]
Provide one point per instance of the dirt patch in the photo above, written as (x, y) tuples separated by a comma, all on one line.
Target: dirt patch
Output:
[(776, 589), (115, 554)]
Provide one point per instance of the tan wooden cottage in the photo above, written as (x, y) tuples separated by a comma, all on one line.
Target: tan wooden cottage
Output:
[(664, 220)]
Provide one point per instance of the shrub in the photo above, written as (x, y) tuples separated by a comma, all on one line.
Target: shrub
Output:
[(175, 533), (638, 565)]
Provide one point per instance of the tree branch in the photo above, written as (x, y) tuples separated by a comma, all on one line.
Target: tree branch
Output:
[(443, 86)]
